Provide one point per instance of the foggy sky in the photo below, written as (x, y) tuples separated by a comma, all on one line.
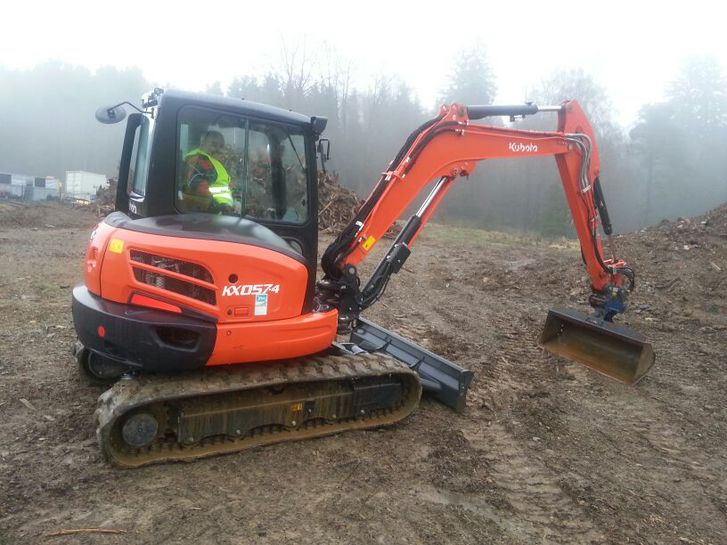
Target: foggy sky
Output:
[(632, 49)]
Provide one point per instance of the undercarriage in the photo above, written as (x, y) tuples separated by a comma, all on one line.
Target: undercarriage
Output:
[(153, 418), (375, 380)]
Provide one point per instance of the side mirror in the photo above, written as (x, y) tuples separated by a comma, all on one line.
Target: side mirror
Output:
[(324, 148), (109, 115)]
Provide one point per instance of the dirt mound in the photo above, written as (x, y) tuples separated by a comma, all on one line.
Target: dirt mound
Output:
[(697, 246), (337, 204), (681, 269), (692, 231)]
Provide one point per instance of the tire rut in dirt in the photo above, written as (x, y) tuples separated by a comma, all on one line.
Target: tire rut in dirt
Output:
[(544, 510)]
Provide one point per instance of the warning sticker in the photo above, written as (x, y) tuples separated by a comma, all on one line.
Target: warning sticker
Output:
[(261, 305), (368, 243), (116, 246)]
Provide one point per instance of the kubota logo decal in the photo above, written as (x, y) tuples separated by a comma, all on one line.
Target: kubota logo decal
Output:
[(250, 289), (519, 147)]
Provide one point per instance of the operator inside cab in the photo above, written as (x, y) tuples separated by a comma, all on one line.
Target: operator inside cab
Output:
[(234, 166), (208, 183)]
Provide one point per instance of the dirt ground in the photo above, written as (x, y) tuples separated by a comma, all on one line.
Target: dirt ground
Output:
[(546, 452)]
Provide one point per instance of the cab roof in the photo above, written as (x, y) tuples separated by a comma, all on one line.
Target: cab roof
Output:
[(176, 98)]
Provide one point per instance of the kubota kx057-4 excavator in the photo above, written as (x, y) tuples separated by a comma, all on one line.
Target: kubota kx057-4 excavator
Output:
[(207, 306)]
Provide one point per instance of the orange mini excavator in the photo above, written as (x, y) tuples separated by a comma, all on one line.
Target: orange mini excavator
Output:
[(200, 290)]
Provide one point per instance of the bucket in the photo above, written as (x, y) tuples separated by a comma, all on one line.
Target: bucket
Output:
[(616, 351)]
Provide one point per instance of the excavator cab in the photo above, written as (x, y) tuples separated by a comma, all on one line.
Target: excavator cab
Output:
[(266, 155)]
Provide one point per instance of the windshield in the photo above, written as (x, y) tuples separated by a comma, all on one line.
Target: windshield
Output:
[(236, 166)]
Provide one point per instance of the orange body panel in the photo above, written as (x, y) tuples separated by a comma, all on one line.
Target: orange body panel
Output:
[(262, 341), (94, 257), (259, 271), (258, 314)]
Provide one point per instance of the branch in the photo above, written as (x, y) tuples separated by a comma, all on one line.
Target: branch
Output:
[(85, 531)]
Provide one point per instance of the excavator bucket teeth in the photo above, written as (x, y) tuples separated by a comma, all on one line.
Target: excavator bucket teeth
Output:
[(613, 350)]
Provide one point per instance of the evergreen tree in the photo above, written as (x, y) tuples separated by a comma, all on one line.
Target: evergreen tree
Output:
[(698, 97), (698, 101), (681, 142), (214, 88), (473, 80), (659, 143)]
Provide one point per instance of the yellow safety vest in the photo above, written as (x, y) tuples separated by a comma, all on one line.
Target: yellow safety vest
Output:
[(220, 187)]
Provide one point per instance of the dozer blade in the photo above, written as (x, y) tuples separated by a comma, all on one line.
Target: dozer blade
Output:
[(441, 379), (613, 350)]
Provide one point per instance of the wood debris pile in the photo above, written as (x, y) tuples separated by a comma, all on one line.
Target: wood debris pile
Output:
[(106, 198), (337, 205)]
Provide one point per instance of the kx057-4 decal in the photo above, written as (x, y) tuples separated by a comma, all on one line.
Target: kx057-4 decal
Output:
[(250, 289)]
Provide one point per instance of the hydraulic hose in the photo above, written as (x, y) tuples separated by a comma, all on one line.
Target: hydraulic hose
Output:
[(342, 245)]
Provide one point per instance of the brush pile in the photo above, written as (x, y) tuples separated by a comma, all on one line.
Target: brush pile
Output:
[(106, 198), (338, 205)]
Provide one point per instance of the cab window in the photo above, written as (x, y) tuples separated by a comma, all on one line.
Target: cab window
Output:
[(139, 170), (243, 167)]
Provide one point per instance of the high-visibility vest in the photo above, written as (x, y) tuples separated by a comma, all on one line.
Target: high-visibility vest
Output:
[(220, 186)]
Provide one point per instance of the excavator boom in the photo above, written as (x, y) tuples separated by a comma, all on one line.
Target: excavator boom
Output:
[(449, 147)]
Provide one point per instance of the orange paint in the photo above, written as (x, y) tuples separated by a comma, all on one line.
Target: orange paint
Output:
[(451, 148), (263, 341), (258, 315), (253, 266)]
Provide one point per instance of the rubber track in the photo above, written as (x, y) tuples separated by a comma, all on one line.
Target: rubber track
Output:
[(130, 394)]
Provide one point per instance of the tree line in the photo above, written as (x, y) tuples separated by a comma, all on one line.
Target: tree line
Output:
[(47, 123), (670, 162)]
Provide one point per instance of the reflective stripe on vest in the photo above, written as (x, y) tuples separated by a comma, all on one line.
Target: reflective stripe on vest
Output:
[(220, 187)]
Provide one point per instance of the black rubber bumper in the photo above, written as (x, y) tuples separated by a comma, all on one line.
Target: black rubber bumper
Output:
[(152, 340)]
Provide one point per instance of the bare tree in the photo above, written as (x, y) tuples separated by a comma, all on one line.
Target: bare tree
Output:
[(298, 68)]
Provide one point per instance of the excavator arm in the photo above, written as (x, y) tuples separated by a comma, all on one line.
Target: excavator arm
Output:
[(449, 147)]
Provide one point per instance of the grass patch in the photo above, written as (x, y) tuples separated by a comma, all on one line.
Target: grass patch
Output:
[(479, 237)]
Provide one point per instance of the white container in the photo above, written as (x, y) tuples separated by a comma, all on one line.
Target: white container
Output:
[(80, 182)]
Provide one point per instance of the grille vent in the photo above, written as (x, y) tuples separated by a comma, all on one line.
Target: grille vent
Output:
[(165, 282)]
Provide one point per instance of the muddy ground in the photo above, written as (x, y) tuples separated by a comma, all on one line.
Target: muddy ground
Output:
[(546, 452)]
